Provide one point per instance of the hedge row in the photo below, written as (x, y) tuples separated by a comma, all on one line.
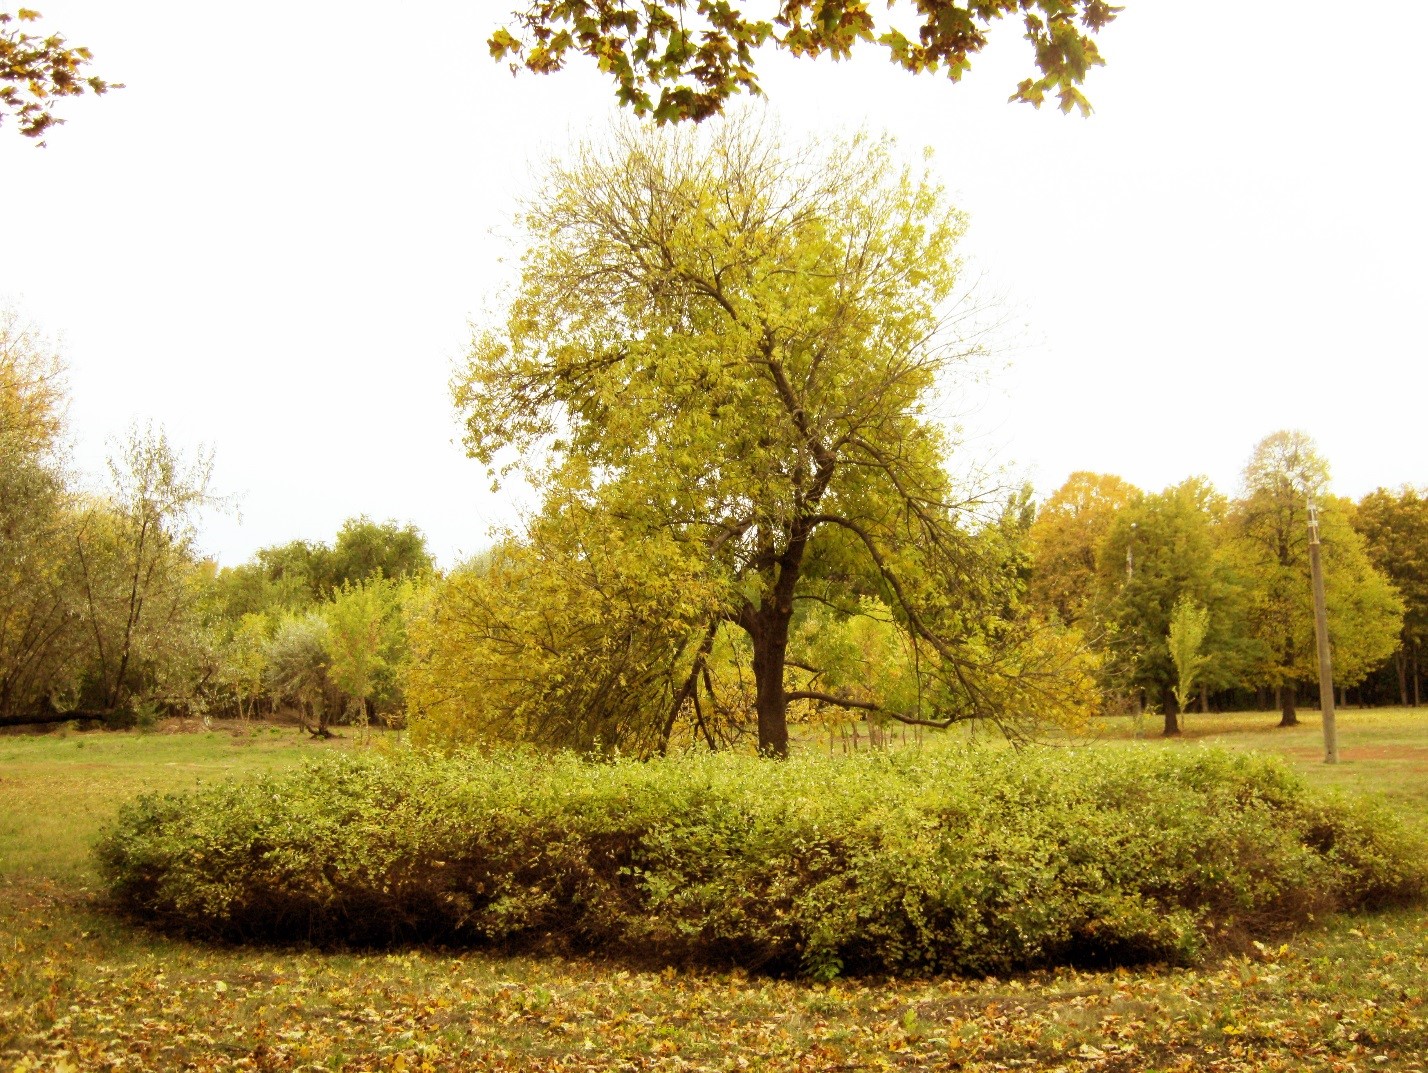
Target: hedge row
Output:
[(977, 862)]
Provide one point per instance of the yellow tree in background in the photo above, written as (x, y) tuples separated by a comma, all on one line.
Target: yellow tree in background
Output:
[(1271, 547), (1065, 540)]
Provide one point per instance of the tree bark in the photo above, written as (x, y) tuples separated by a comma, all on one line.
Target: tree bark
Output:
[(1172, 713), (767, 626), (770, 643), (1288, 698), (1400, 659)]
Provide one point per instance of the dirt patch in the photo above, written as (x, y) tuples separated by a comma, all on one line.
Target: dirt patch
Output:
[(284, 720)]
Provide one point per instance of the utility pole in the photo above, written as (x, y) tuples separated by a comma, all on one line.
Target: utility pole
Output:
[(1321, 635), (1130, 576)]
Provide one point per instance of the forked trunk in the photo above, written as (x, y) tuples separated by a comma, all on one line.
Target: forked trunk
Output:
[(767, 625)]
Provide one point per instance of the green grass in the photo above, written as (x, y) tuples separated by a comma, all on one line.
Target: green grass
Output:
[(58, 788), (82, 991), (1382, 751)]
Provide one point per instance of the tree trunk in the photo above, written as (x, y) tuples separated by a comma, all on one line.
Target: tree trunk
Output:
[(1400, 659), (1204, 700), (767, 626), (1416, 697), (770, 643), (1288, 696), (1172, 713)]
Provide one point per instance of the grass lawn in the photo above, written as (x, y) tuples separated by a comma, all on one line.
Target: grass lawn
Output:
[(1382, 751), (81, 991)]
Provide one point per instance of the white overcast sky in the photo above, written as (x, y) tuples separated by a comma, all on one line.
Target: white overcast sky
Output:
[(273, 240)]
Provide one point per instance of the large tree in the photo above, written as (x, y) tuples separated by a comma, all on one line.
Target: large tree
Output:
[(1271, 538), (696, 56), (724, 363)]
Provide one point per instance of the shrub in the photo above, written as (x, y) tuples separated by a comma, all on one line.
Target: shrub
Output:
[(981, 862)]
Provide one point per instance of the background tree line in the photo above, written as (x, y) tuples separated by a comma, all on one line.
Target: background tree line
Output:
[(108, 610), (1174, 600), (1187, 587)]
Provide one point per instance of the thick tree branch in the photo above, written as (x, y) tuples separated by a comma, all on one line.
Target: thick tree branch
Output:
[(913, 618), (49, 715), (872, 706)]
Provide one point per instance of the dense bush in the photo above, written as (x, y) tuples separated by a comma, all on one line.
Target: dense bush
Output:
[(985, 861)]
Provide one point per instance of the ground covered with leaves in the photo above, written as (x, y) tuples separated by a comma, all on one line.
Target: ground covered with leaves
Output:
[(81, 990)]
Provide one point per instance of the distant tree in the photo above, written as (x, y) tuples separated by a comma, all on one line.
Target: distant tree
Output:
[(301, 574), (36, 71), (32, 394), (1189, 623), (365, 642), (696, 56), (243, 662), (138, 572), (1271, 540), (720, 368), (1161, 550), (277, 579), (295, 669), (99, 596), (366, 549), (295, 573), (1065, 542), (1395, 528)]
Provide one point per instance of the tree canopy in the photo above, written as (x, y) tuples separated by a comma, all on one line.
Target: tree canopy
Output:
[(37, 70), (1271, 522), (672, 60), (676, 60), (1065, 538), (296, 575), (723, 369), (1163, 549)]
